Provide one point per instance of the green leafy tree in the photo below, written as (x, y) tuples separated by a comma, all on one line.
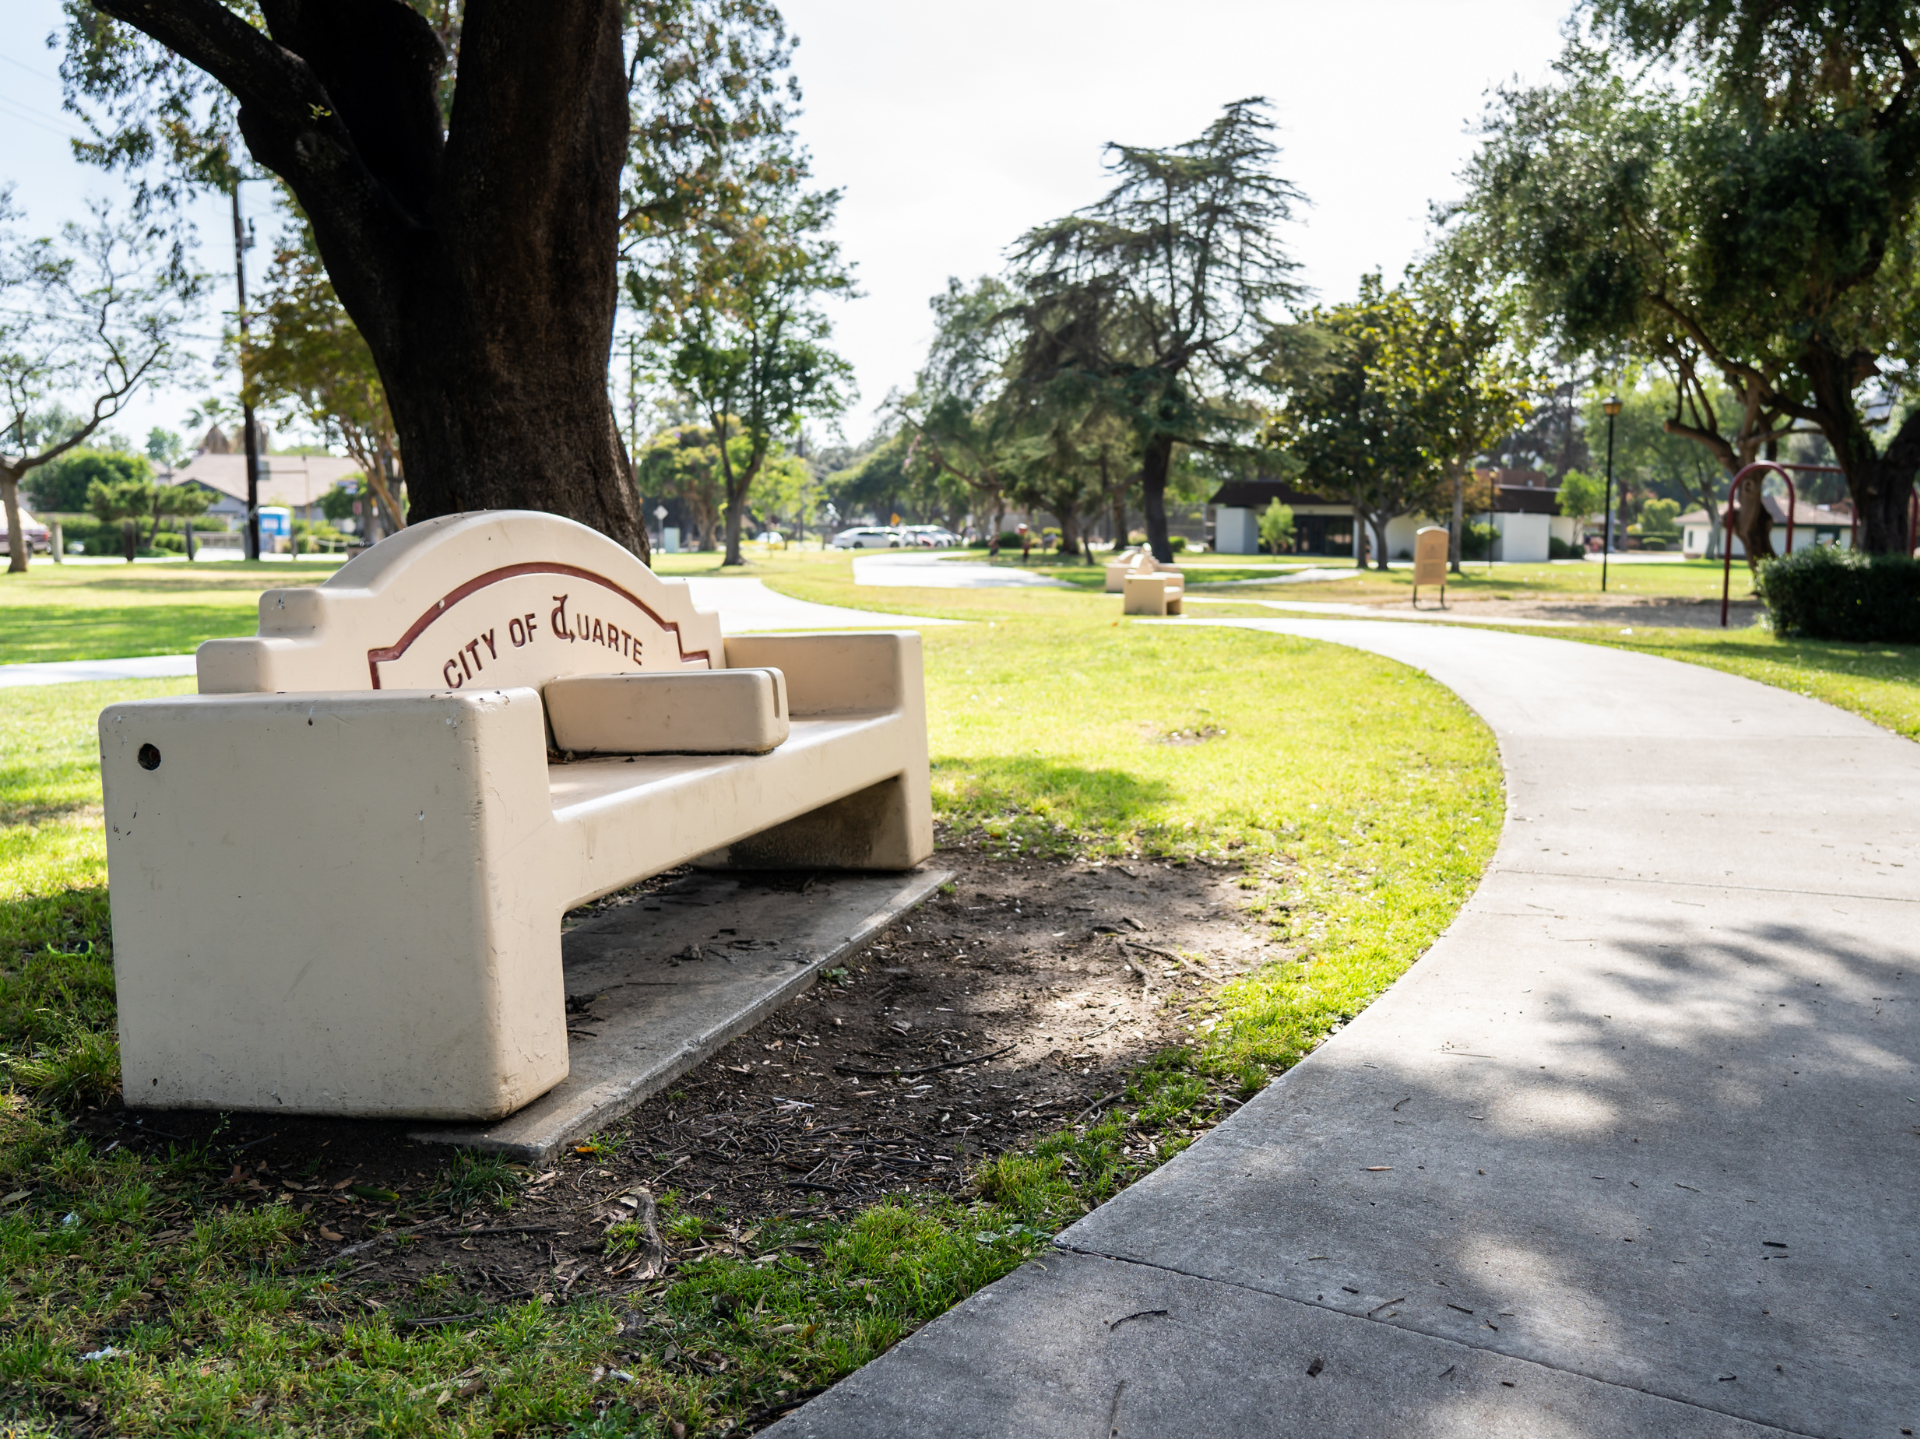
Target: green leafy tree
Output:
[(1755, 225), (1659, 519), (731, 301), (1276, 527), (955, 415), (306, 358), (97, 312), (1655, 460), (1164, 294), (61, 485), (164, 447), (1460, 368), (1582, 497), (683, 463), (125, 502), (1358, 419)]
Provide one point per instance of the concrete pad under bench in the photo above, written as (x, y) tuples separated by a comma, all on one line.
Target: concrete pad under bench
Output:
[(681, 973)]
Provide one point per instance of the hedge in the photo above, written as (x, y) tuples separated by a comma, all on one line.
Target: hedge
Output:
[(1827, 593)]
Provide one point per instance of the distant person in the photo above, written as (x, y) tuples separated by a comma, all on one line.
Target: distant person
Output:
[(993, 546), (1026, 545)]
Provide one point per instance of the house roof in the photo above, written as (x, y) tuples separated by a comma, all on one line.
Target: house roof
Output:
[(1805, 514), (1524, 492), (1258, 494), (294, 480)]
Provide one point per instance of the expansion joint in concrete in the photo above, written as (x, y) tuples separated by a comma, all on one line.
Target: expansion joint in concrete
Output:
[(1448, 1340)]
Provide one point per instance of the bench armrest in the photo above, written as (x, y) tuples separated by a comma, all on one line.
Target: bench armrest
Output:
[(839, 673)]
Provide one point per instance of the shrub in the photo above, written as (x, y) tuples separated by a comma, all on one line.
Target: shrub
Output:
[(1652, 543), (1477, 542), (1827, 593), (1559, 549), (1177, 543)]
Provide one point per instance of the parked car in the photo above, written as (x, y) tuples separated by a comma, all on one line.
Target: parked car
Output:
[(933, 537), (39, 537), (868, 537), (770, 537)]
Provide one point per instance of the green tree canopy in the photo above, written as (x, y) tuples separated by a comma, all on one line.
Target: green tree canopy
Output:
[(1161, 297), (731, 302), (61, 485), (1363, 418), (1749, 222)]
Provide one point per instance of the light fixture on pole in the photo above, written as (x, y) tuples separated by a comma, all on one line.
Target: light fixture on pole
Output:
[(1612, 406)]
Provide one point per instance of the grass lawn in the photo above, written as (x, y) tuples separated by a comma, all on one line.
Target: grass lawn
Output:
[(95, 612), (1358, 799)]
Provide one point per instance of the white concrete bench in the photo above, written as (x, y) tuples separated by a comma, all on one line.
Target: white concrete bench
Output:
[(1159, 593), (1139, 562), (338, 872)]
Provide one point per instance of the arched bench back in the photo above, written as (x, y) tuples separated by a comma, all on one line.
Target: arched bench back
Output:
[(493, 599)]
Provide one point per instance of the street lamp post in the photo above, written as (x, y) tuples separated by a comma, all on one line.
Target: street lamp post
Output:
[(1612, 407)]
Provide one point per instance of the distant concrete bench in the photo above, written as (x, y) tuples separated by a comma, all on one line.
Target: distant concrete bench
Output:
[(1159, 593), (1139, 562), (338, 872)]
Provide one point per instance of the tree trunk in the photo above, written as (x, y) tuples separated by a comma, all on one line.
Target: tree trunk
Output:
[(1880, 481), (18, 549), (1883, 496), (737, 487), (1460, 521), (480, 267), (1751, 523), (1380, 539), (1156, 460)]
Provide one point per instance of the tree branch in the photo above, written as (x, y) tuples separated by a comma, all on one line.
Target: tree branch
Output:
[(287, 117)]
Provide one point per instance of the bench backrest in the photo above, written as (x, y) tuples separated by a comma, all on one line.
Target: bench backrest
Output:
[(494, 599)]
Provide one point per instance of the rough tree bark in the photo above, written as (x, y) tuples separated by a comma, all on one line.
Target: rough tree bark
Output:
[(479, 261), (16, 536), (1880, 481), (1156, 461)]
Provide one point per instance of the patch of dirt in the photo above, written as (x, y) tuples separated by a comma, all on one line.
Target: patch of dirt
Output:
[(1010, 1006), (1640, 611)]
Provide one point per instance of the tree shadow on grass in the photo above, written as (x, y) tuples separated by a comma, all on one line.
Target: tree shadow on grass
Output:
[(56, 966)]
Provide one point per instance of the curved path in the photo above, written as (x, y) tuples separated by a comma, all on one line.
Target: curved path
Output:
[(1633, 1150)]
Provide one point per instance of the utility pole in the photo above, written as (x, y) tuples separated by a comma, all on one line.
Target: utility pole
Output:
[(633, 395), (246, 406), (1612, 407)]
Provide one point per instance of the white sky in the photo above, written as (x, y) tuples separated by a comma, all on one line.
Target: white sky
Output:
[(953, 129)]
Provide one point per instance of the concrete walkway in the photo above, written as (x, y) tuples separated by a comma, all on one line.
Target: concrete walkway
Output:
[(1436, 615), (745, 606), (1633, 1150), (930, 570)]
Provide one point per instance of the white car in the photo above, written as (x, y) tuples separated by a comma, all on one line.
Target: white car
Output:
[(868, 537), (932, 537)]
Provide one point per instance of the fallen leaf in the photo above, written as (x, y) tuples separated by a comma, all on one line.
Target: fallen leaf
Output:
[(345, 1182), (373, 1191), (1378, 1168), (328, 1235)]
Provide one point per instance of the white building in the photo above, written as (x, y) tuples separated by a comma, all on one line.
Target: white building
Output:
[(1522, 515), (1812, 525)]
